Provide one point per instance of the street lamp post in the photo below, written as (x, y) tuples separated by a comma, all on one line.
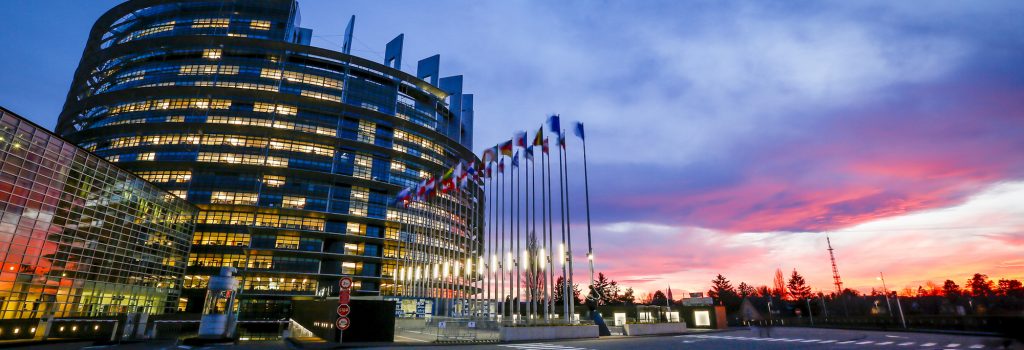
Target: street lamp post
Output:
[(903, 320), (809, 313)]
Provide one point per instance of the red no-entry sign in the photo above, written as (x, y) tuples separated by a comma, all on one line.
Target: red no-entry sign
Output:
[(342, 323)]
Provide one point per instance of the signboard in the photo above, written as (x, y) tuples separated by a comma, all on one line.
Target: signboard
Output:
[(344, 296), (441, 325), (705, 301), (342, 323), (421, 308)]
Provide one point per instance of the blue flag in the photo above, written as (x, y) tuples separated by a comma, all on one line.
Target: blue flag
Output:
[(529, 153), (579, 130), (556, 126), (515, 160)]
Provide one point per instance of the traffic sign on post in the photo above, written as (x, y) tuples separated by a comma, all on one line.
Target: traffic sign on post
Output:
[(343, 310), (342, 323), (345, 283), (344, 297)]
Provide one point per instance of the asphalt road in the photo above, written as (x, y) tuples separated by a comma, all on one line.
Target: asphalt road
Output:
[(781, 338)]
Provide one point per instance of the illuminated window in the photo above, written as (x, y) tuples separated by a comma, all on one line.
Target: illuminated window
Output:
[(367, 130), (210, 23), (212, 54), (273, 180), (286, 242), (221, 238), (224, 218), (272, 108), (177, 103), (321, 96), (293, 202), (165, 176), (207, 69), (239, 198), (259, 25)]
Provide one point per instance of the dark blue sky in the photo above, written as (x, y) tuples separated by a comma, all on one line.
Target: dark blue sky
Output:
[(721, 134)]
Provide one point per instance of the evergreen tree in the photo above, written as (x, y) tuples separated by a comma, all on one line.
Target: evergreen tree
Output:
[(659, 299), (609, 289), (745, 290), (797, 287), (780, 284), (979, 285), (627, 297), (557, 294), (950, 290), (721, 288)]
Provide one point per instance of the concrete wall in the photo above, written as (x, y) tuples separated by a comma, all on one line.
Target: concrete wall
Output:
[(655, 328)]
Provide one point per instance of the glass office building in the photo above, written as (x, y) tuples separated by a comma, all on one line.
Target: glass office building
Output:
[(291, 152), (80, 237)]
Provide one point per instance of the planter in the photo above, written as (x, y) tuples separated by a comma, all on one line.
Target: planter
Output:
[(547, 333), (655, 328)]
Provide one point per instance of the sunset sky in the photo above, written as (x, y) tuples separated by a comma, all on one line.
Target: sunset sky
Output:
[(723, 137)]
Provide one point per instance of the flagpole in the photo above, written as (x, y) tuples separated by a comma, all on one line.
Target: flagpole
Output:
[(551, 236), (568, 221), (532, 283), (493, 286), (515, 256), (586, 191)]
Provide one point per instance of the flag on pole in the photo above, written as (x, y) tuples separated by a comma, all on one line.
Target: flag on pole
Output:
[(490, 170), (519, 139), (529, 153), (556, 126), (489, 155), (561, 140), (501, 166), (506, 148), (578, 130), (539, 138), (403, 197), (545, 148), (447, 181), (515, 160)]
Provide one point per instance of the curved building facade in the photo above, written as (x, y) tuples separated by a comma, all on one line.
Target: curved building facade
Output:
[(291, 152)]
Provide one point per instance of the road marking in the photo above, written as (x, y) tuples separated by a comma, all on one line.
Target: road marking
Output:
[(827, 341), (952, 345), (539, 346), (811, 341), (884, 343), (413, 339), (865, 342), (906, 343), (928, 344), (979, 346), (845, 342)]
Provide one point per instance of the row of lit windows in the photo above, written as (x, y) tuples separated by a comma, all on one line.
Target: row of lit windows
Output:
[(321, 95), (271, 220), (161, 27), (238, 198), (207, 69), (165, 176), (221, 238), (278, 124), (210, 23), (220, 140), (238, 85), (421, 141), (174, 103), (247, 159), (297, 77), (274, 108)]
